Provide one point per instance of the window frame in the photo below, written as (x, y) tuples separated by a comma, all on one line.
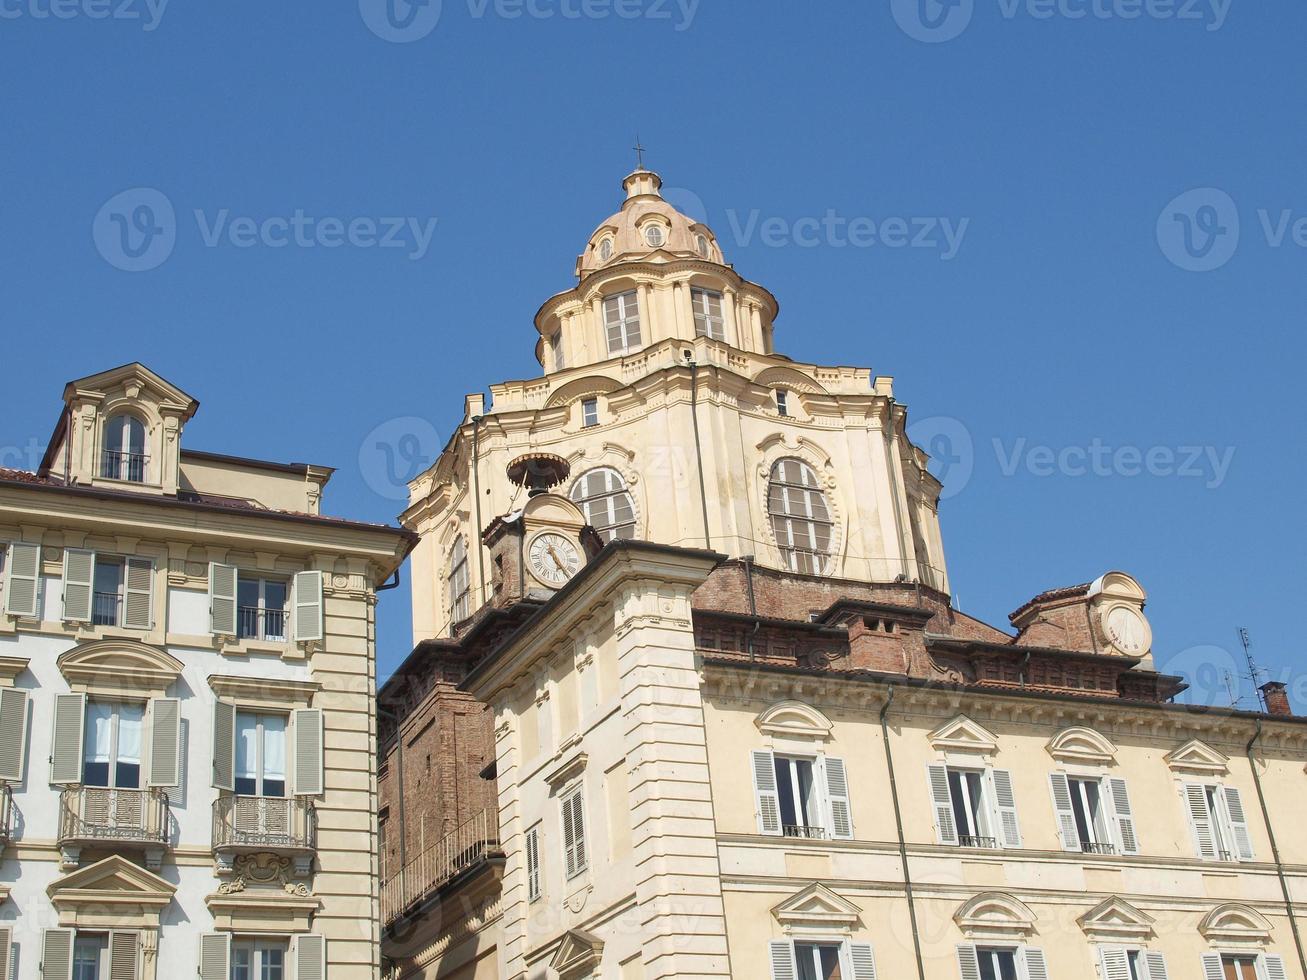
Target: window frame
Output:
[(260, 764), (115, 734), (261, 609), (576, 860), (606, 531), (796, 514), (257, 947), (124, 456), (627, 322), (783, 402), (589, 412), (814, 821), (459, 582), (704, 319), (987, 808)]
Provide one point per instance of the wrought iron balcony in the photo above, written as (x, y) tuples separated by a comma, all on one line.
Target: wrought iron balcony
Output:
[(104, 608), (6, 814), (100, 816), (1088, 848), (801, 830), (118, 465), (282, 824), (261, 624), (468, 846), (988, 843)]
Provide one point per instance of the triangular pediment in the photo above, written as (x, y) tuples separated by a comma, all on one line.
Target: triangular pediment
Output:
[(135, 377), (577, 953), (816, 905), (964, 735), (1116, 919), (115, 877), (1196, 756)]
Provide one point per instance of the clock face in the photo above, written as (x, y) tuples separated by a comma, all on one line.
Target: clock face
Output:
[(554, 559), (1127, 630)]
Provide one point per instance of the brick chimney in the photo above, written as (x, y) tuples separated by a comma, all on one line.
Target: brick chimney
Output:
[(1277, 699)]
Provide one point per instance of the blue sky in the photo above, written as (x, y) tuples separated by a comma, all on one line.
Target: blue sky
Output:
[(1080, 310)]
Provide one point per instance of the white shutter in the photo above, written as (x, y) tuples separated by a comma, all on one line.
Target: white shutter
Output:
[(1212, 969), (766, 800), (13, 737), (533, 864), (1123, 816), (165, 742), (124, 955), (1035, 966), (837, 798), (946, 830), (224, 745), (863, 961), (1156, 963), (79, 573), (1272, 966), (968, 962), (569, 839), (1115, 963), (138, 601), (782, 960), (23, 580), (222, 599), (574, 847), (308, 733), (57, 954), (310, 957), (1005, 803), (308, 606), (66, 739), (215, 956), (1066, 816), (1243, 842), (1200, 820)]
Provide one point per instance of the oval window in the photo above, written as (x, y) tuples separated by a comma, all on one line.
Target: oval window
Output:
[(605, 250), (653, 235)]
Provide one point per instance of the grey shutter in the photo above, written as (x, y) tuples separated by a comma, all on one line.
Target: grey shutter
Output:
[(1005, 802), (837, 796), (1115, 963), (968, 962), (138, 601), (224, 745), (782, 960), (533, 864), (23, 580), (1156, 963), (946, 830), (215, 956), (6, 952), (57, 954), (863, 961), (1243, 842), (1273, 966), (308, 752), (124, 955), (165, 742), (1200, 820), (1066, 817), (766, 800), (1212, 969), (79, 572), (1124, 816), (66, 739), (1036, 967), (308, 606), (578, 830), (13, 737), (310, 957), (569, 839), (222, 599)]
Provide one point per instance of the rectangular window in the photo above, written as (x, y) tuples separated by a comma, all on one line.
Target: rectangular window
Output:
[(1239, 967), (1091, 819), (576, 859), (261, 608), (782, 402), (708, 313), (818, 961), (622, 323), (556, 350), (971, 808), (1216, 815), (107, 594), (90, 956), (258, 960), (799, 802), (590, 412), (260, 755), (997, 964), (533, 890), (112, 753)]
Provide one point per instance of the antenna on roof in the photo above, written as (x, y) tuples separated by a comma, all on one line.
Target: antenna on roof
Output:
[(1255, 673)]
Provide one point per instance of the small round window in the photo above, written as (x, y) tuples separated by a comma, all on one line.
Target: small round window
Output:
[(653, 236), (605, 250)]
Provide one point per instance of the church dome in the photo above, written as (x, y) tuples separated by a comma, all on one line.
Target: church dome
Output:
[(647, 229)]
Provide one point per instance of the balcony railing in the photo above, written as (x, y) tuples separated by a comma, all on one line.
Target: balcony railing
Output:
[(469, 845), (104, 608), (261, 624), (118, 465), (287, 823), (94, 814), (989, 843), (6, 814), (1089, 848), (800, 830)]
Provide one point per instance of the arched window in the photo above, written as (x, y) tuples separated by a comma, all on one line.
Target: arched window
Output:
[(123, 454), (702, 243), (603, 498), (605, 250), (460, 592), (800, 517)]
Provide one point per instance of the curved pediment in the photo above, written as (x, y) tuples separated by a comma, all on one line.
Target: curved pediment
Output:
[(1079, 744), (995, 915), (1234, 923), (795, 719), (119, 667), (595, 384), (789, 377)]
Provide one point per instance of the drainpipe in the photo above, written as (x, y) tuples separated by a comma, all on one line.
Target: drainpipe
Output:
[(903, 844), (1275, 848), (753, 603), (698, 447)]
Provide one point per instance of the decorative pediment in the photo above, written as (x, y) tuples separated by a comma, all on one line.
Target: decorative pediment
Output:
[(1116, 920), (1199, 757), (995, 915), (1082, 745), (578, 954), (119, 667), (110, 894), (817, 908), (964, 735), (1237, 925), (10, 668), (264, 692), (794, 719)]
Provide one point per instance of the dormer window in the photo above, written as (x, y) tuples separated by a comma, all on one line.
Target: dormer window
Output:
[(605, 250), (654, 237), (701, 243), (123, 456)]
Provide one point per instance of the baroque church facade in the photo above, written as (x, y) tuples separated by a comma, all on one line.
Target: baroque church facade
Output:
[(688, 696)]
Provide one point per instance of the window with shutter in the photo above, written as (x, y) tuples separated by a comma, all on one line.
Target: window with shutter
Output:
[(968, 962), (23, 579), (6, 952), (533, 890), (1156, 963), (574, 843), (13, 735), (766, 799), (1200, 820), (837, 796), (863, 961), (215, 956), (57, 955), (781, 954), (308, 606), (1126, 838), (946, 831), (1005, 802), (1242, 843), (79, 573), (1115, 963), (1060, 787), (222, 599), (165, 742), (124, 959), (309, 763), (1034, 966), (66, 738), (224, 745), (1272, 966), (138, 594), (310, 958)]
